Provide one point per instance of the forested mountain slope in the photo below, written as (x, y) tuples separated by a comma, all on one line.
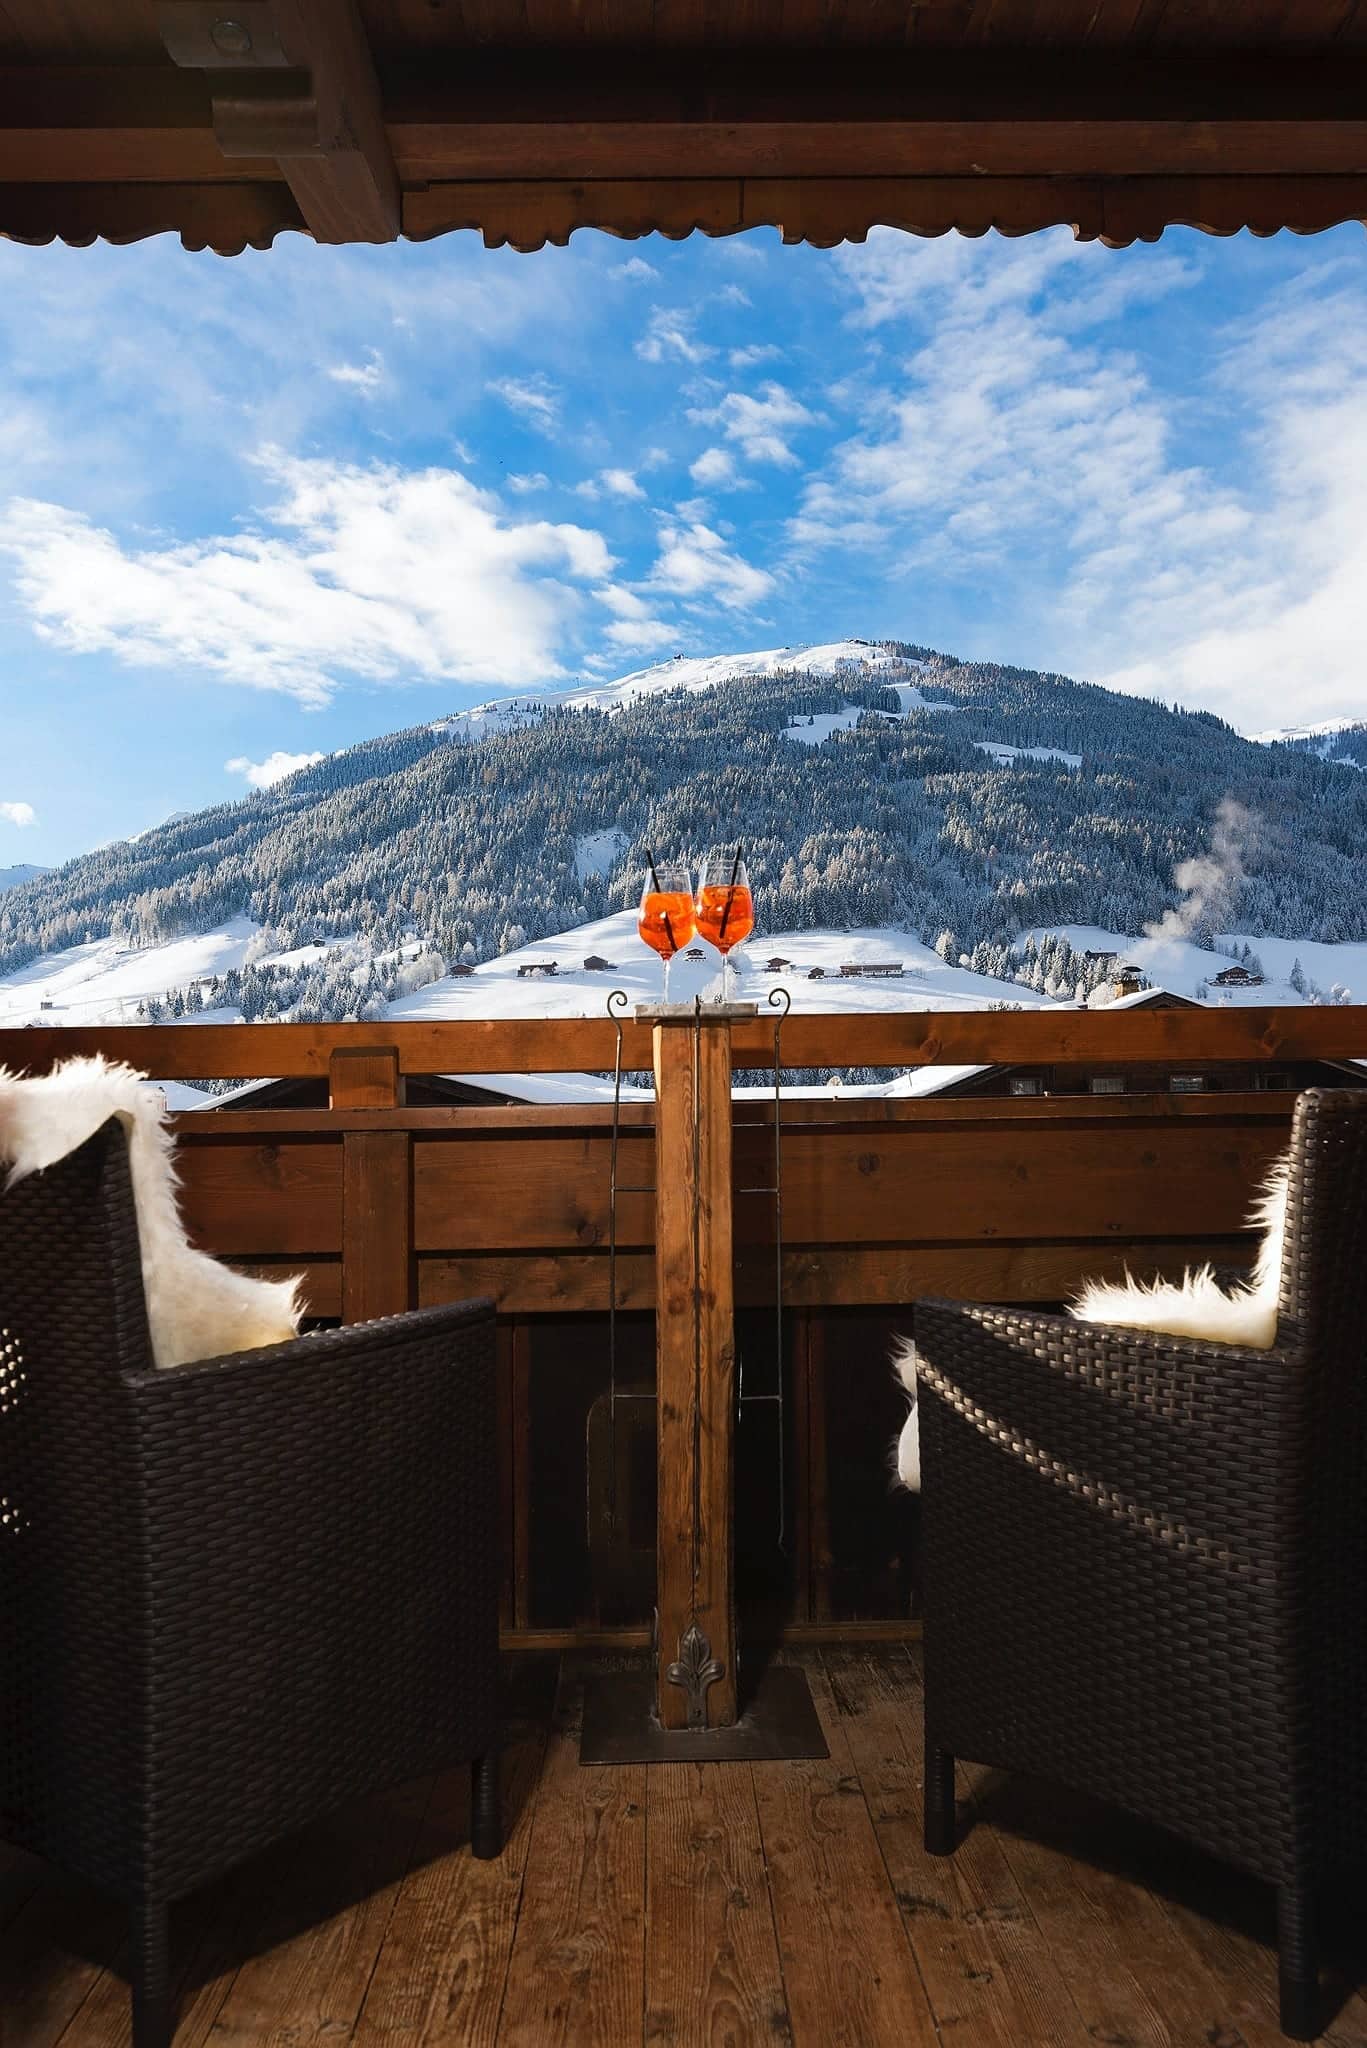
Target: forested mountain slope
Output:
[(871, 786)]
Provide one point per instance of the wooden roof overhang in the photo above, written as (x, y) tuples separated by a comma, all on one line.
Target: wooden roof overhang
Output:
[(227, 121)]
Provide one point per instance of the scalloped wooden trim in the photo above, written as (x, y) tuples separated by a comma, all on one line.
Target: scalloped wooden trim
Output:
[(827, 211), (222, 217), (821, 211)]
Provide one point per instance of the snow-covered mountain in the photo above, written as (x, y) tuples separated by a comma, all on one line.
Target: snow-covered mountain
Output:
[(10, 878), (885, 795), (1336, 739)]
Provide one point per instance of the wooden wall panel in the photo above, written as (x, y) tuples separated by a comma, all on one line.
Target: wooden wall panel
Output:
[(496, 1192), (250, 1197)]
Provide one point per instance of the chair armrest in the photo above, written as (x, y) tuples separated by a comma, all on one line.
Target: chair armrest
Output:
[(320, 1350), (1181, 1437)]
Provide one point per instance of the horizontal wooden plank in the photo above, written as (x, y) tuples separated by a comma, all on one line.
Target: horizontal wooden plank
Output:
[(752, 1112), (840, 1276), (488, 1193), (760, 87), (251, 1197), (936, 1184), (899, 1038), (806, 148)]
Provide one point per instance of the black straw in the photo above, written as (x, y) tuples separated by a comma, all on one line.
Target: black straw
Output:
[(730, 893), (669, 929)]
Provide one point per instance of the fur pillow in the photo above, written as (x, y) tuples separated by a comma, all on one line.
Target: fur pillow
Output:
[(195, 1307), (1197, 1306)]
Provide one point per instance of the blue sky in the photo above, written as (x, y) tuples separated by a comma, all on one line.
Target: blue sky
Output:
[(257, 509)]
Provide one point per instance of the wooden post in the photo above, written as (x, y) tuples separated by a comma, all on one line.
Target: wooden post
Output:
[(377, 1188), (695, 1365)]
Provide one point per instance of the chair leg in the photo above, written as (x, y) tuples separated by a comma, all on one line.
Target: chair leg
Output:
[(486, 1825), (1298, 1973), (153, 2024), (940, 1812)]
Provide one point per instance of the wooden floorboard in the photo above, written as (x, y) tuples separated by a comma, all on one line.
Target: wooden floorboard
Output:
[(712, 1963), (691, 1906)]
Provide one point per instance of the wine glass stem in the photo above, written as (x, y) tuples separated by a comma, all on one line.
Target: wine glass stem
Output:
[(669, 961)]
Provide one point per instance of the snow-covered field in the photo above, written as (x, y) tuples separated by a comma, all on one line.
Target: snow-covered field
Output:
[(1180, 966), (496, 989), (1004, 755), (103, 981)]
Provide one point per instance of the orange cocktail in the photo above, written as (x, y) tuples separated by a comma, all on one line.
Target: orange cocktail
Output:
[(726, 909), (726, 914), (665, 920)]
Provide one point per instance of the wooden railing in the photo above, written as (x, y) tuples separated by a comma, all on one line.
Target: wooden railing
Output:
[(384, 1206)]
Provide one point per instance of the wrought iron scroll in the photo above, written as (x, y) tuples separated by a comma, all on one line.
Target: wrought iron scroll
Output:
[(780, 1001), (617, 1005)]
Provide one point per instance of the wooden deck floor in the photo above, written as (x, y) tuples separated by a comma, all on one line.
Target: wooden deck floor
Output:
[(715, 1906)]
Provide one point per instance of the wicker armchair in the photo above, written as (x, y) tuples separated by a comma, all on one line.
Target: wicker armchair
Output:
[(1146, 1558), (233, 1595)]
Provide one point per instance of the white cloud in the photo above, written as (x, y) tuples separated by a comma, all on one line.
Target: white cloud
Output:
[(366, 377), (275, 767), (615, 483), (1014, 439), (695, 561), (18, 814), (714, 468), (732, 295), (669, 338), (635, 266), (534, 397), (754, 352), (654, 458), (537, 481), (375, 573), (760, 425)]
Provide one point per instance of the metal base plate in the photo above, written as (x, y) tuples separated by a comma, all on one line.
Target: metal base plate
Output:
[(620, 1725)]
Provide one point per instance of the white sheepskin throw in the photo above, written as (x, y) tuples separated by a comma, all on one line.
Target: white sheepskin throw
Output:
[(195, 1307), (1196, 1306)]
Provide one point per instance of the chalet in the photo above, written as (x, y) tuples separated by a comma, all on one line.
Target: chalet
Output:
[(778, 965), (531, 970), (462, 970), (871, 970), (1237, 977), (694, 953), (596, 964), (816, 974)]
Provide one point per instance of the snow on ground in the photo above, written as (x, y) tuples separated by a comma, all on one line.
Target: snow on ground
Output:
[(597, 853), (1004, 755), (104, 980), (496, 989), (810, 732), (1180, 966)]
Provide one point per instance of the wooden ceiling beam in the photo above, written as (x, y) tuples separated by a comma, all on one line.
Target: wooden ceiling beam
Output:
[(294, 80)]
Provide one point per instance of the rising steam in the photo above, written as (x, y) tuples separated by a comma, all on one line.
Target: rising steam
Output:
[(1210, 881)]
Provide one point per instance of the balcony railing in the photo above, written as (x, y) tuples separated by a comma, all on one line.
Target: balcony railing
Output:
[(384, 1206)]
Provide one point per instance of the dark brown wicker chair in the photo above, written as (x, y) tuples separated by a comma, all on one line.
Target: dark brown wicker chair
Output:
[(233, 1595), (1146, 1559)]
